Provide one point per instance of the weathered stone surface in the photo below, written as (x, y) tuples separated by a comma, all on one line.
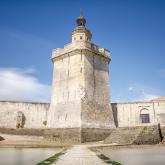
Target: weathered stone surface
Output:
[(23, 131), (135, 135), (63, 136), (149, 135), (34, 114), (94, 134), (123, 135), (128, 114), (75, 135), (80, 89)]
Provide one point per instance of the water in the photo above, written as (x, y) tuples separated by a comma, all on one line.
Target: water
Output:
[(25, 156), (138, 156), (131, 156)]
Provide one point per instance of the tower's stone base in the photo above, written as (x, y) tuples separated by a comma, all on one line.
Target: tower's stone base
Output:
[(94, 134), (67, 136), (63, 136)]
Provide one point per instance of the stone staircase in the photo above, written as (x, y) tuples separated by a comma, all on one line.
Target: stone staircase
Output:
[(149, 135), (134, 135), (123, 135)]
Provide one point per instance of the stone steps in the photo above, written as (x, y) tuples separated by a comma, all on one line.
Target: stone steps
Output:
[(134, 135), (149, 135), (123, 135)]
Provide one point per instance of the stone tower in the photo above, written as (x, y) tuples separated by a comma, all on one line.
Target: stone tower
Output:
[(80, 108)]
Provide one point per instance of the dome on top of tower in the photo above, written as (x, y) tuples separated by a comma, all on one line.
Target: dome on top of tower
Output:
[(80, 32), (81, 21)]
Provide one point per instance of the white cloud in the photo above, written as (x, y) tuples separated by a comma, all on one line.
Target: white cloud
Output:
[(138, 92), (21, 85), (130, 88)]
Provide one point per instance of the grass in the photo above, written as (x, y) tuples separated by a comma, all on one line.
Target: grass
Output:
[(108, 160), (51, 159)]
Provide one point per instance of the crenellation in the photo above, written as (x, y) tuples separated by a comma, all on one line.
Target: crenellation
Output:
[(80, 45)]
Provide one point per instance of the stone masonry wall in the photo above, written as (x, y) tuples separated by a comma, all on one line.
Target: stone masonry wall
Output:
[(128, 114), (96, 107), (35, 114), (65, 108)]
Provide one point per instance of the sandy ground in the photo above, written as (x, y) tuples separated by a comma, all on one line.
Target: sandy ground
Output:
[(20, 140)]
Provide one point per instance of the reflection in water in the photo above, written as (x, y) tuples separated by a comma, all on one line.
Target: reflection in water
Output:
[(25, 156), (138, 156)]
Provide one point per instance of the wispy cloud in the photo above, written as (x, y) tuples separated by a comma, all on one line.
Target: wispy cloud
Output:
[(138, 92), (22, 85)]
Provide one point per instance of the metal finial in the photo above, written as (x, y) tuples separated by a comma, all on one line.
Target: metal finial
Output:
[(81, 12)]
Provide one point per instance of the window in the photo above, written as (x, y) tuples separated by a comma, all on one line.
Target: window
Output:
[(144, 116), (80, 37)]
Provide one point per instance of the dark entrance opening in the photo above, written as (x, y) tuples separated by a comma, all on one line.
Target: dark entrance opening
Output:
[(145, 118)]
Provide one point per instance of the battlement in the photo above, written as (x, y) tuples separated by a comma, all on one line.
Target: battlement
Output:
[(80, 45)]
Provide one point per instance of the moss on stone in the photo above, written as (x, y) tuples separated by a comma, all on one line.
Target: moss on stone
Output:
[(51, 159), (108, 160)]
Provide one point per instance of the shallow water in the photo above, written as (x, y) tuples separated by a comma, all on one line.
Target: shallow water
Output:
[(138, 156), (25, 156)]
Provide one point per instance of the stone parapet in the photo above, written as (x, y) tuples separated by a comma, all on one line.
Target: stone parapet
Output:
[(78, 46)]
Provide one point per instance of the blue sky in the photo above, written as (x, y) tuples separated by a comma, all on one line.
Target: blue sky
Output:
[(133, 30)]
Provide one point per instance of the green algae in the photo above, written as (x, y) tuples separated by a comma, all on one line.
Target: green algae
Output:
[(51, 159), (108, 160)]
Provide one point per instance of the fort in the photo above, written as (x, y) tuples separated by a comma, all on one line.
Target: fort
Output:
[(80, 109)]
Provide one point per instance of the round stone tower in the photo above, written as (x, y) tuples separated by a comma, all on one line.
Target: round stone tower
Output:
[(81, 33)]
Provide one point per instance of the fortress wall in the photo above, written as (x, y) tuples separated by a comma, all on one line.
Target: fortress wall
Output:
[(125, 114), (34, 114), (128, 114), (160, 112)]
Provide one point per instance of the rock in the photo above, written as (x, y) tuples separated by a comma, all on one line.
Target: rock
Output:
[(1, 138)]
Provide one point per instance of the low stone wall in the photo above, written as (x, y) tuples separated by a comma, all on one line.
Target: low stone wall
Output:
[(34, 114), (129, 114), (75, 135), (22, 131), (149, 135), (163, 131), (135, 135), (124, 135), (94, 134), (63, 136)]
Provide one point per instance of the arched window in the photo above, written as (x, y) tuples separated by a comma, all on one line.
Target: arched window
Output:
[(144, 116)]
